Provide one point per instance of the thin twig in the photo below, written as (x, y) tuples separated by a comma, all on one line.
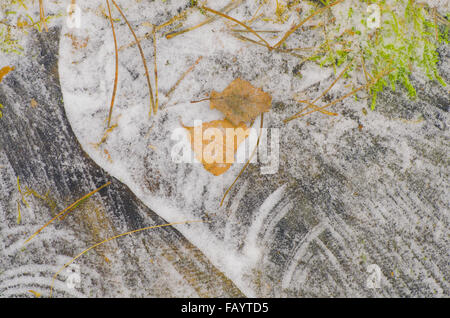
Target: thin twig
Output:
[(240, 23), (183, 76), (68, 209), (258, 31), (19, 215), (42, 15), (246, 39), (110, 239), (314, 106), (152, 102), (334, 82), (156, 70), (296, 27), (173, 20), (299, 114), (226, 9), (116, 76), (436, 31)]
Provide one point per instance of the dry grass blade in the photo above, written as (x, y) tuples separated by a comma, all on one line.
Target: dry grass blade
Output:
[(190, 69), (246, 39), (233, 4), (240, 23), (21, 193), (248, 161), (156, 69), (42, 14), (258, 31), (116, 77), (436, 27), (298, 115), (19, 215), (375, 80), (176, 18), (334, 82), (105, 135), (366, 73), (315, 107), (442, 19), (152, 102), (66, 210), (110, 239), (297, 26)]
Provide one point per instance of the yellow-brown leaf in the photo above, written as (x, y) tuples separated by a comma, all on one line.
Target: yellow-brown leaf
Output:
[(241, 101), (218, 163), (4, 71)]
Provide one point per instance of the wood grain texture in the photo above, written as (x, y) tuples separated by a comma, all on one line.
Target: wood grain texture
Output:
[(38, 146)]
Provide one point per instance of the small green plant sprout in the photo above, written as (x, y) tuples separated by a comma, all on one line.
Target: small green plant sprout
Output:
[(401, 35), (8, 44), (15, 21)]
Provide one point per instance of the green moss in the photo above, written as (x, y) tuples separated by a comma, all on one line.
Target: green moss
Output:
[(8, 44), (405, 43)]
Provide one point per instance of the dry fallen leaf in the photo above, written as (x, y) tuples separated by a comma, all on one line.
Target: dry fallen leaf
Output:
[(35, 293), (216, 162), (33, 103), (241, 101), (4, 71)]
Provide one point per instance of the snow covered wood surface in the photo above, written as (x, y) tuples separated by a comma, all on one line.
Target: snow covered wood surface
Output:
[(39, 147), (362, 190)]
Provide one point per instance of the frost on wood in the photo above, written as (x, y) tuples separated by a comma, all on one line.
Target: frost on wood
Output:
[(352, 190)]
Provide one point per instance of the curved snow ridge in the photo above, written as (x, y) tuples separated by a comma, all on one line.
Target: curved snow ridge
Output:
[(252, 249), (139, 149)]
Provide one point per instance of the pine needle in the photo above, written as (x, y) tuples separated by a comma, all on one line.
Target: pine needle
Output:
[(152, 102), (246, 39), (106, 135), (67, 210), (247, 163), (116, 76), (157, 28), (240, 23), (190, 69), (296, 27), (42, 15), (44, 198), (334, 82), (21, 193), (156, 69), (19, 215), (375, 80), (176, 18), (233, 4), (113, 238), (315, 107)]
